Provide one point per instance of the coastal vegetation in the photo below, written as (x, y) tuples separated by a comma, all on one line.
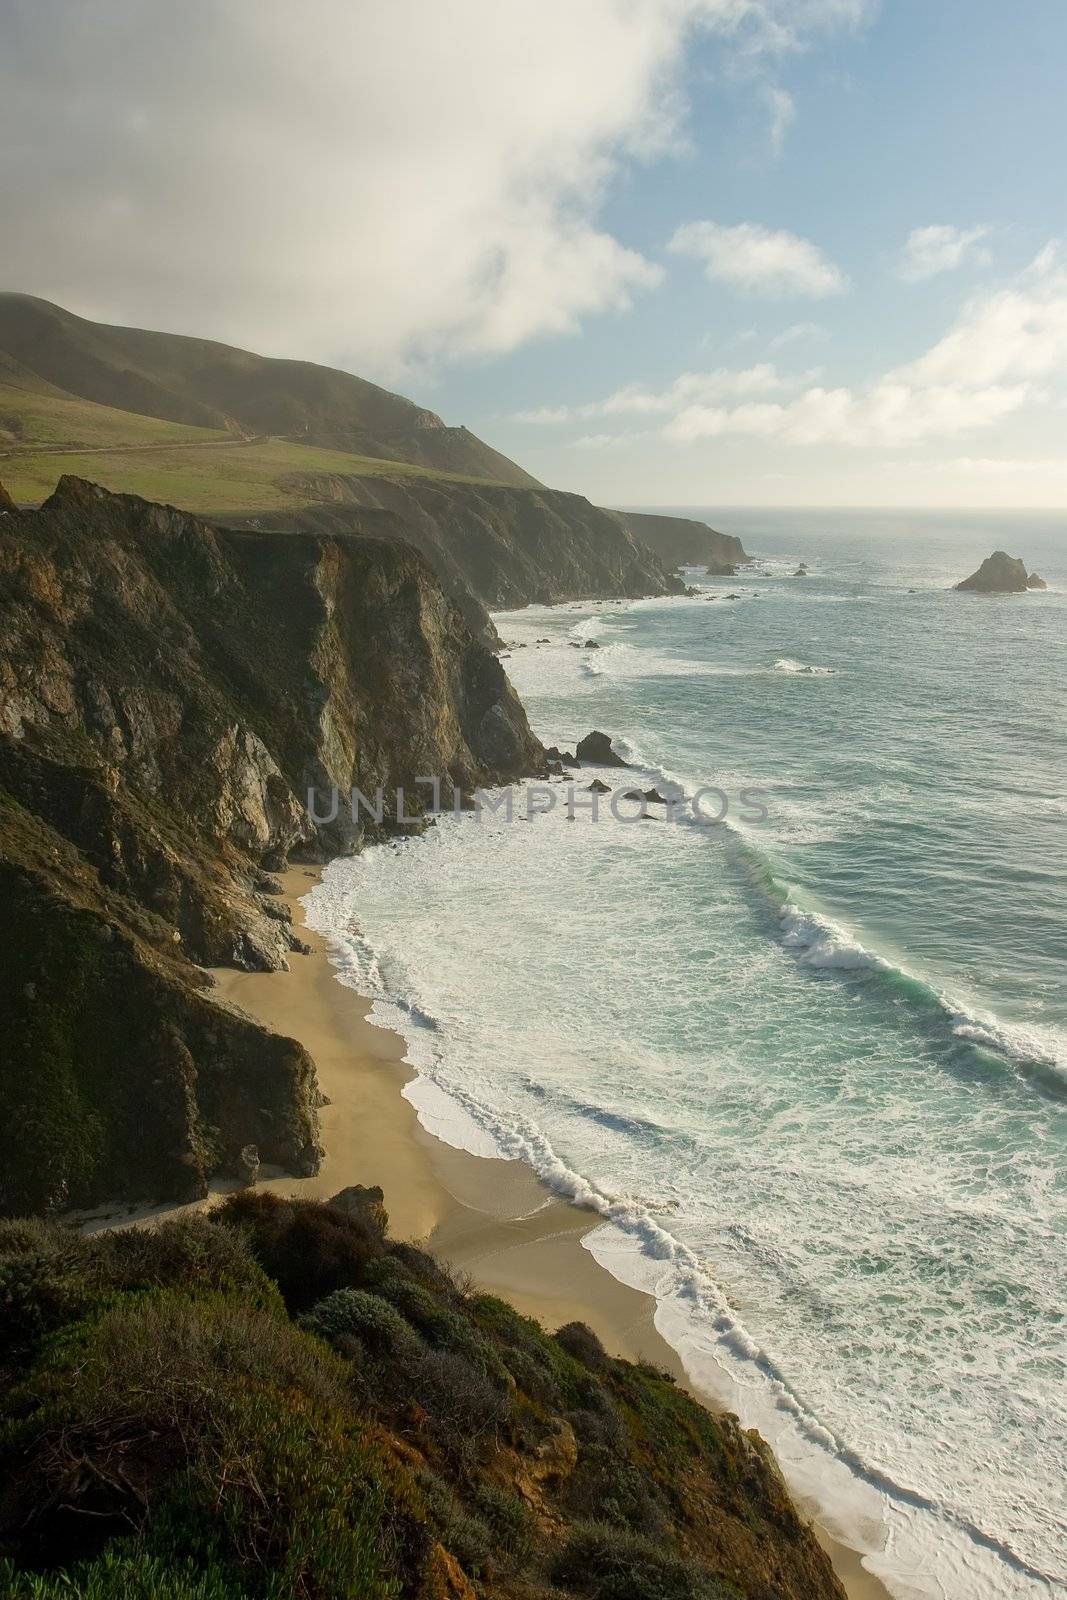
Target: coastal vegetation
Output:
[(277, 1400)]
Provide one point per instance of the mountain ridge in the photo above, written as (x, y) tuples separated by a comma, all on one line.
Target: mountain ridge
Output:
[(204, 383)]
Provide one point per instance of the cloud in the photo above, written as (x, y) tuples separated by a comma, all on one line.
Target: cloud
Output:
[(369, 184), (759, 260), (940, 248), (988, 466), (782, 110), (1003, 347), (690, 388), (797, 331)]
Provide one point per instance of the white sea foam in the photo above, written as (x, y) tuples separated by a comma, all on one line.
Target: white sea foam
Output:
[(848, 1215), (802, 668), (824, 943)]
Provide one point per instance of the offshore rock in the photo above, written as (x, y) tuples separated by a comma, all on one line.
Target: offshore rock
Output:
[(998, 574), (596, 749)]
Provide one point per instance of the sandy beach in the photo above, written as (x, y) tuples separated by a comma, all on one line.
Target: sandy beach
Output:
[(491, 1218)]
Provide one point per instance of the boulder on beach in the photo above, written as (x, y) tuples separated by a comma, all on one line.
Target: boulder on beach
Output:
[(998, 574), (654, 797), (596, 787), (247, 1166), (596, 749), (1034, 582)]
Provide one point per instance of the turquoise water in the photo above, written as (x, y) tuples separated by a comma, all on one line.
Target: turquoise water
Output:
[(811, 1071)]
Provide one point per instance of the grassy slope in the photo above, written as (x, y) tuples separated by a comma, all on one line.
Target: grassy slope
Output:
[(201, 383), (43, 436)]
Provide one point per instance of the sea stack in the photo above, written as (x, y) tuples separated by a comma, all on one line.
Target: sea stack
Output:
[(1000, 574), (596, 749), (1035, 582)]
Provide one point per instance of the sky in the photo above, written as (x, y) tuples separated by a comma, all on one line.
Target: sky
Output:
[(661, 252)]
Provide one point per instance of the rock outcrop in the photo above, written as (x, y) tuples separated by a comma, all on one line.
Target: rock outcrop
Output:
[(999, 574), (685, 542), (596, 749), (169, 693), (1036, 582)]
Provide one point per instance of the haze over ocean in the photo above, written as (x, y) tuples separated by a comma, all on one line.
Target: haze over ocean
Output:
[(813, 1072)]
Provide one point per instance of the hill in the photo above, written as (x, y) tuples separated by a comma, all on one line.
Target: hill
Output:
[(203, 384), (684, 542), (232, 436)]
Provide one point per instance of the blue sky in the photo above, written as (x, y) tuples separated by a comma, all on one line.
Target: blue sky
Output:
[(659, 251), (947, 113)]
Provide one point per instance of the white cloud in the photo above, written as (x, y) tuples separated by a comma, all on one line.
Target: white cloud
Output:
[(988, 466), (939, 248), (371, 184), (759, 260), (1003, 347), (782, 110), (604, 441), (797, 331), (689, 388)]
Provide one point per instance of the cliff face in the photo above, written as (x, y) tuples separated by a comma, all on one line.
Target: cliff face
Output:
[(168, 694), (682, 541), (495, 547)]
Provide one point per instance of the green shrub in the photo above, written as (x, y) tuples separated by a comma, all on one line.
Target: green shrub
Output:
[(464, 1534), (356, 1314), (612, 1564), (216, 1416), (124, 1571), (582, 1343), (44, 1282), (607, 1485), (508, 1518), (444, 1325), (189, 1253), (538, 1362), (308, 1249), (464, 1406)]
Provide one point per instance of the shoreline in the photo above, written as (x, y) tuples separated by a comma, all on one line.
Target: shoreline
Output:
[(490, 1217)]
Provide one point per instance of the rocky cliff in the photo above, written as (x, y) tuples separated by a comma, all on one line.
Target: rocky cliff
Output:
[(491, 546), (169, 692), (683, 541)]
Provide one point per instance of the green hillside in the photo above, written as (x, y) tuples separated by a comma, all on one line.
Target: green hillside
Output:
[(199, 383), (44, 435)]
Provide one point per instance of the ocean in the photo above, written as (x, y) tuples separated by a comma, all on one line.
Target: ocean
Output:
[(811, 1071)]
